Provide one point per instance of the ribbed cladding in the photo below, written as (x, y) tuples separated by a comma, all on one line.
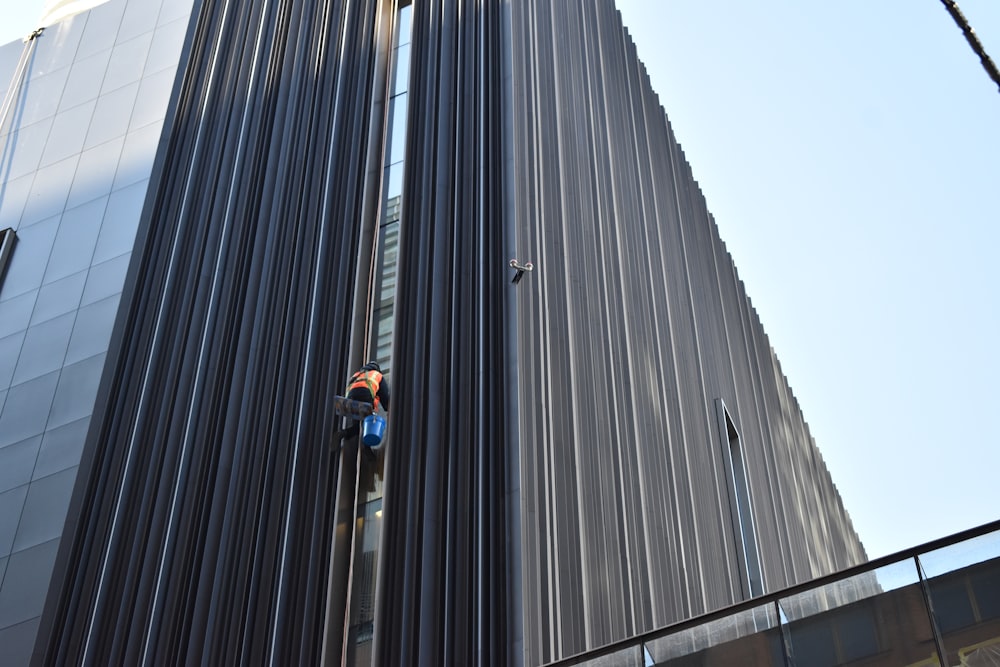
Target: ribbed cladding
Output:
[(443, 590), (203, 523), (630, 327)]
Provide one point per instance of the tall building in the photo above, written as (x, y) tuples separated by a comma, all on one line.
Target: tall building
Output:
[(219, 211)]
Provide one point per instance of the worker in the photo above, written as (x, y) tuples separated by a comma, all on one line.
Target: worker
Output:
[(366, 386)]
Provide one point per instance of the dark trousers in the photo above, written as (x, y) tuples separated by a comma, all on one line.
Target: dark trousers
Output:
[(361, 395)]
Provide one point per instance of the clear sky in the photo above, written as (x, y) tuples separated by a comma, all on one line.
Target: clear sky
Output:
[(850, 153)]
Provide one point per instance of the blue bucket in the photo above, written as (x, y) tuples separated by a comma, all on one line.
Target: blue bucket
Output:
[(372, 430)]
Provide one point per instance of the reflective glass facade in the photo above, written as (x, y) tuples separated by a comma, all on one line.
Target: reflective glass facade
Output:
[(932, 606), (87, 105)]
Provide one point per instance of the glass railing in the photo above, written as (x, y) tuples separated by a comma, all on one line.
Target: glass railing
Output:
[(932, 606)]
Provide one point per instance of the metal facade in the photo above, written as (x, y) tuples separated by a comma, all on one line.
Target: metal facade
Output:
[(555, 473), (631, 328)]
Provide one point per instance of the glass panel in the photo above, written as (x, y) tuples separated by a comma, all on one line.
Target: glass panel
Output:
[(106, 279), (401, 70), (151, 105), (127, 62), (397, 129), (43, 349), (22, 149), (11, 504), (404, 29), (960, 555), (362, 629), (48, 192), (120, 222), (627, 657), (27, 266), (92, 331), (58, 298), (26, 583), (61, 448), (66, 138), (102, 23), (93, 172), (13, 195), (57, 47), (165, 50), (963, 582), (749, 638), (394, 182), (75, 240), (45, 509), (77, 391), (39, 97), (16, 463), (10, 350), (85, 78), (139, 18), (26, 409), (111, 115), (878, 617), (17, 641)]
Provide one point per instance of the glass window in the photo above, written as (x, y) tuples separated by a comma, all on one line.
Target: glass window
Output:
[(397, 129), (401, 70), (404, 29)]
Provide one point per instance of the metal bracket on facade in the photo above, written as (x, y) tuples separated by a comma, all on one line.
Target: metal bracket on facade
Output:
[(521, 269)]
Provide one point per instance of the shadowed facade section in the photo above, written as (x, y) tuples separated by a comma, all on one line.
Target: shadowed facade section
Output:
[(631, 328)]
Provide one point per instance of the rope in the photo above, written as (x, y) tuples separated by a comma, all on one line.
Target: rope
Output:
[(973, 40), (19, 70)]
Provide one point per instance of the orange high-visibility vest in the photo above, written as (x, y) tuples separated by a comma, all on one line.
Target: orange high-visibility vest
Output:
[(368, 379)]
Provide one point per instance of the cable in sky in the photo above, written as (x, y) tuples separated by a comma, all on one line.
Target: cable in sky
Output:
[(970, 36)]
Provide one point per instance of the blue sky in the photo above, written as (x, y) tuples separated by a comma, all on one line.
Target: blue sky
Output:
[(850, 153)]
